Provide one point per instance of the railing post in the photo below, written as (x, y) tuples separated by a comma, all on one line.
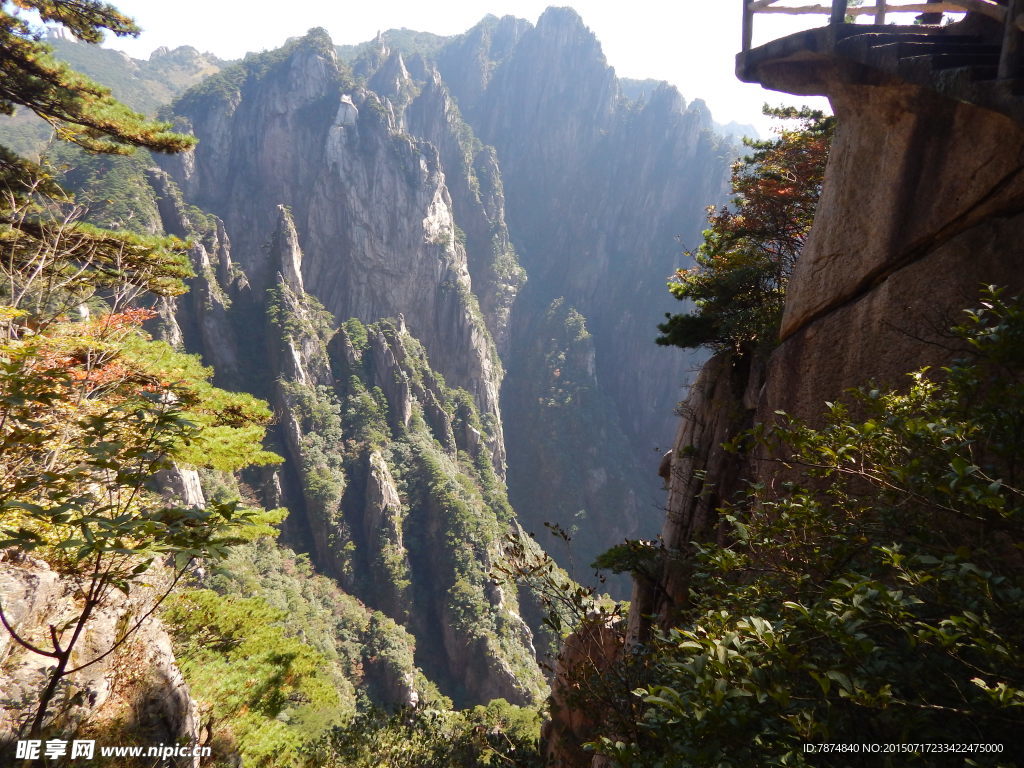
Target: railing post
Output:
[(879, 11), (748, 25), (1010, 56), (838, 12)]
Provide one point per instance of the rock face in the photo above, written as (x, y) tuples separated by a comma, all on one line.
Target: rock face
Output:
[(933, 215), (922, 204), (373, 497), (396, 486), (599, 191), (700, 476), (335, 196), (136, 690), (587, 652), (370, 205), (358, 237), (478, 200)]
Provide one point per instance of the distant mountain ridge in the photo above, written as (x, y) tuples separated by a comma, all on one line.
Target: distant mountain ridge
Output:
[(442, 260), (144, 85)]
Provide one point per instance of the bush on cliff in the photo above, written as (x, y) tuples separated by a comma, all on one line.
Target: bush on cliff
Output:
[(877, 597), (738, 285)]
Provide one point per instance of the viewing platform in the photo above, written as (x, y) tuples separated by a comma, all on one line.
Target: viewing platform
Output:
[(976, 59)]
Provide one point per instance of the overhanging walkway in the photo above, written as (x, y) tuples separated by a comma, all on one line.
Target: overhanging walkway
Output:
[(976, 60)]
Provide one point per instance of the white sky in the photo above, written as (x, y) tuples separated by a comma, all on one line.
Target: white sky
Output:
[(690, 43)]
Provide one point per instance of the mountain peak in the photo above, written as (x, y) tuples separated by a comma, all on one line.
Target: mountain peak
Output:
[(286, 250), (563, 29), (561, 16)]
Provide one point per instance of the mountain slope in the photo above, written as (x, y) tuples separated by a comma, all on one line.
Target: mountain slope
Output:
[(601, 191), (375, 243)]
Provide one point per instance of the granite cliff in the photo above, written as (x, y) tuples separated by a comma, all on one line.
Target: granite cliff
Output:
[(921, 201), (601, 191), (913, 220), (442, 261), (374, 172)]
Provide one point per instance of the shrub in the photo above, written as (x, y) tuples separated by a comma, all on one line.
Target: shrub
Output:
[(742, 268), (878, 596)]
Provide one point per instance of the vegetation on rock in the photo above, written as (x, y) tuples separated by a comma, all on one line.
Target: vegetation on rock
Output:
[(738, 285), (876, 593), (497, 733)]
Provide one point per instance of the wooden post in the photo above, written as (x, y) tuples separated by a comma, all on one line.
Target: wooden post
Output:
[(879, 11), (1010, 56), (748, 25), (838, 12)]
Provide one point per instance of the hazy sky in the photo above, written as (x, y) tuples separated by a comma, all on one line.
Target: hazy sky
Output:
[(690, 43)]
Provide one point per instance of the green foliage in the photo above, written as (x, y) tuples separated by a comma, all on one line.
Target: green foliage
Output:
[(297, 317), (365, 647), (743, 266), (226, 428), (637, 557), (144, 85), (875, 597), (91, 410), (460, 236), (80, 110), (356, 333), (495, 734), (269, 693), (323, 467), (51, 255), (365, 415), (112, 188), (358, 652)]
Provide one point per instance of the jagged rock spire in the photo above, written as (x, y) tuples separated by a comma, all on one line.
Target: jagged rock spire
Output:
[(286, 252)]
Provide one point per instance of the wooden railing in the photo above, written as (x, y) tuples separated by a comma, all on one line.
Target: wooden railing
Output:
[(1010, 14)]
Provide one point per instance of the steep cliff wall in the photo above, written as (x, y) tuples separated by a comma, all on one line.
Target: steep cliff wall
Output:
[(355, 264), (372, 211), (922, 205), (602, 193), (921, 201), (399, 209), (390, 475), (399, 491)]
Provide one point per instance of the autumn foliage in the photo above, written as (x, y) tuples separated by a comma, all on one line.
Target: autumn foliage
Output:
[(738, 284), (92, 410)]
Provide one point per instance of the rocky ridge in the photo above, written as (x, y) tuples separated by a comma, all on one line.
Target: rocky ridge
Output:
[(137, 691), (886, 270), (600, 191), (359, 234)]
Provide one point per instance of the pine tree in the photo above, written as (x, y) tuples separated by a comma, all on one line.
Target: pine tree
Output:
[(90, 408), (35, 213), (79, 110)]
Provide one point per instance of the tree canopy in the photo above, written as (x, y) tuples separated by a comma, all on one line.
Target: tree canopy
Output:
[(738, 284), (91, 409), (80, 110)]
